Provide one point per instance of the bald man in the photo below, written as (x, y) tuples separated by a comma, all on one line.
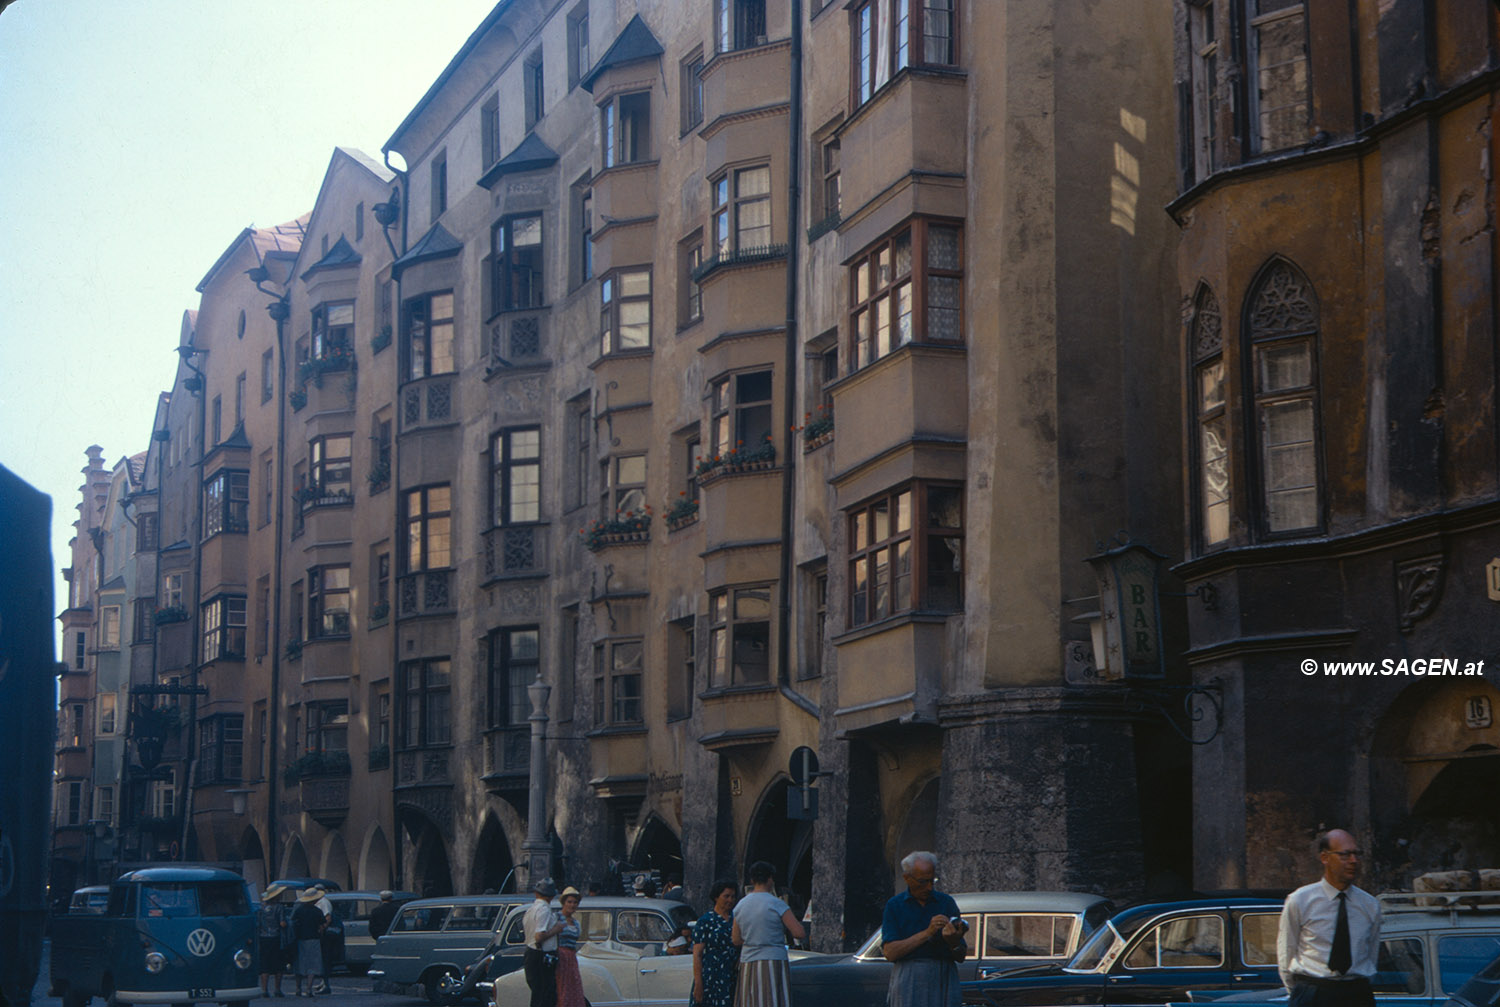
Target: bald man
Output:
[(1330, 932)]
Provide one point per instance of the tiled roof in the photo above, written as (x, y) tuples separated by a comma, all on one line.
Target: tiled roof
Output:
[(635, 42), (530, 154), (437, 243), (341, 254)]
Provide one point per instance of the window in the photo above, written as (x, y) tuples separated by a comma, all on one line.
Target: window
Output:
[(739, 637), (829, 190), (425, 703), (1400, 967), (380, 462), (75, 720), (578, 44), (333, 331), (515, 476), (145, 620), (359, 221), (922, 32), (625, 486), (581, 252), (109, 627), (226, 503), (79, 650), (1026, 935), (294, 621), (299, 483), (579, 426), (439, 185), (489, 130), (163, 796), (224, 629), (691, 89), (817, 633), (267, 375), (863, 59), (906, 288), (261, 735), (1212, 441), (625, 128), (383, 717), (625, 310), (221, 742), (1277, 88), (682, 668), (328, 601), (689, 295), (1203, 46), (428, 323), (171, 592), (1189, 942), (692, 452), (328, 726), (380, 588), (534, 80), (330, 459), (514, 661), (1282, 326), (742, 212), (216, 420), (741, 412), (1258, 932), (71, 805), (107, 712), (516, 261), (427, 528), (239, 399), (104, 804), (617, 684), (267, 489), (917, 528), (739, 24), (146, 533), (262, 616)]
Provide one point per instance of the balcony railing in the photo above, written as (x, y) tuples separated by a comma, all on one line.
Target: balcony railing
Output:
[(422, 767), (326, 799), (425, 592), (514, 552), (508, 751)]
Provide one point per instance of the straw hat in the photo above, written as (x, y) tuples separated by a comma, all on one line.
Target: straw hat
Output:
[(570, 890), (272, 893), (308, 895)]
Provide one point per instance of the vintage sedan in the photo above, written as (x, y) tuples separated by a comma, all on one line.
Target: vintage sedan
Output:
[(1153, 954), (1007, 930)]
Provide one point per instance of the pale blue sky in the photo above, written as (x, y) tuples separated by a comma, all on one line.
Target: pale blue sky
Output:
[(136, 140)]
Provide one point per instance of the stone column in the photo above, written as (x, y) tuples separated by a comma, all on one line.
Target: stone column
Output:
[(537, 851)]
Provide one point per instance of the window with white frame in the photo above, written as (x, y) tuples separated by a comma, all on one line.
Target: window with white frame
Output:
[(171, 590), (625, 310), (333, 330), (109, 627), (226, 503), (224, 628), (162, 798), (741, 217), (107, 701)]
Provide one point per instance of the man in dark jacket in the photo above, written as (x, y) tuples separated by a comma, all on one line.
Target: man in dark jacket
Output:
[(382, 915)]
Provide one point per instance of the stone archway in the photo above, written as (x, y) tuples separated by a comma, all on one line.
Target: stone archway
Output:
[(336, 861), (657, 848), (784, 843), (294, 864), (252, 859), (919, 831), (375, 866), (429, 873), (494, 867)]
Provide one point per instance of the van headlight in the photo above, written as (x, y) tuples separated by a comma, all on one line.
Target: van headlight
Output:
[(155, 962), (242, 958)]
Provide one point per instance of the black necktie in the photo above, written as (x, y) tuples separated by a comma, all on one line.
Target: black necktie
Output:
[(1339, 958)]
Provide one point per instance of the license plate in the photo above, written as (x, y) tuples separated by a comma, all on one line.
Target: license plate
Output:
[(201, 993)]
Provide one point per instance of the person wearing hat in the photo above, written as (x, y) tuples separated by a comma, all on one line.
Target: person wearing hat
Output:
[(382, 915), (307, 930), (540, 963), (269, 920), (569, 981), (331, 937)]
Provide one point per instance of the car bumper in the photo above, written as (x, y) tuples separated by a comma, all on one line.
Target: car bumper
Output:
[(133, 997)]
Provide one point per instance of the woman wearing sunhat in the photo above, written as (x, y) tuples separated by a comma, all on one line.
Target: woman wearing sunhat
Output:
[(268, 923), (569, 982), (307, 929)]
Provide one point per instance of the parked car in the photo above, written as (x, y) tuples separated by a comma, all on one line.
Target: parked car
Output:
[(353, 909), (1431, 944), (1007, 930), (297, 884), (431, 941), (646, 925), (89, 901), (1483, 990), (167, 935), (617, 974), (1153, 954)]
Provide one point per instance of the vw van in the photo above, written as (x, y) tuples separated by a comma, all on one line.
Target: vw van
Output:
[(168, 935)]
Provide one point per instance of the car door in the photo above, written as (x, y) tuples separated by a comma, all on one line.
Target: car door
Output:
[(1185, 951), (466, 934), (1003, 942), (1253, 953)]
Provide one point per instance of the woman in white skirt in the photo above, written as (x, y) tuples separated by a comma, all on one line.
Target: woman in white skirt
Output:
[(761, 923)]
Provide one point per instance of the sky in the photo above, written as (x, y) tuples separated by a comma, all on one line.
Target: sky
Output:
[(136, 141)]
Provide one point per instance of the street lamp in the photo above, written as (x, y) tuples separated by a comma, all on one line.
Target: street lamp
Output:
[(537, 849)]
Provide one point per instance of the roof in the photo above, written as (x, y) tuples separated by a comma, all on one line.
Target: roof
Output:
[(371, 165), (341, 254), (138, 467), (437, 243), (448, 71), (635, 42), (530, 154), (263, 240), (179, 874)]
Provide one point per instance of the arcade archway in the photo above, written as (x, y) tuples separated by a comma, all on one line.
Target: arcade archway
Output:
[(494, 866), (785, 843)]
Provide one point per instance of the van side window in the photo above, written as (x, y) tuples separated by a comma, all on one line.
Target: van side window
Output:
[(472, 917), (418, 920), (120, 903)]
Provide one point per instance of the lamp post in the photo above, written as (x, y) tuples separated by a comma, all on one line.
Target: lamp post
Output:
[(537, 849)]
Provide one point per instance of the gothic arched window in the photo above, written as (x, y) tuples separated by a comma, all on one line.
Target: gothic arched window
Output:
[(1281, 325), (1211, 424)]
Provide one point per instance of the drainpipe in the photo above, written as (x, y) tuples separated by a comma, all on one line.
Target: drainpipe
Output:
[(192, 726), (791, 384)]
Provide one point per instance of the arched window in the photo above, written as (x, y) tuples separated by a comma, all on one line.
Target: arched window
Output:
[(1211, 425), (1281, 326)]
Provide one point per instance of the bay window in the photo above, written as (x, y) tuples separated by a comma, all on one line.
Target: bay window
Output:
[(906, 288), (625, 310), (428, 524), (226, 503), (328, 726), (739, 636), (331, 462), (427, 322), (906, 553), (618, 697), (516, 263), (224, 628), (425, 703), (1212, 442), (625, 128), (515, 476), (328, 601), (741, 211), (1282, 332), (741, 417), (514, 660), (333, 330)]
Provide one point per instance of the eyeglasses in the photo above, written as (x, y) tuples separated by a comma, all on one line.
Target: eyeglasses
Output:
[(1346, 854), (913, 879)]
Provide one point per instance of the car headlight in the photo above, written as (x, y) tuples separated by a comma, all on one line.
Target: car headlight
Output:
[(242, 958), (155, 962)]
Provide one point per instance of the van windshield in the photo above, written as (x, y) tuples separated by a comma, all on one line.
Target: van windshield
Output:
[(180, 899)]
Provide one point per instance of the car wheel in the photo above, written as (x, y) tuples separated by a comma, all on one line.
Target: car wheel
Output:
[(73, 998), (444, 985)]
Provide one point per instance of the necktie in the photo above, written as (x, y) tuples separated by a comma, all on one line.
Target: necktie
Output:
[(1339, 958)]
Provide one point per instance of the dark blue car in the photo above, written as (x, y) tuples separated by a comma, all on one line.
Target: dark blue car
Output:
[(1153, 954)]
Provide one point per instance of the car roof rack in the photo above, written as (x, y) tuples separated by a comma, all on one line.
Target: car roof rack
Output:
[(1426, 902)]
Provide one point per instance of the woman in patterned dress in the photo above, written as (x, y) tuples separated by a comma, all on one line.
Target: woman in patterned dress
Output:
[(761, 924), (569, 982), (716, 960)]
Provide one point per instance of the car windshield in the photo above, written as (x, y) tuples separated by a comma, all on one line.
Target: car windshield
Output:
[(177, 899), (1098, 947)]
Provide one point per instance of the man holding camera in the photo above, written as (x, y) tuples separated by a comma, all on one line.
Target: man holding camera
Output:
[(923, 935)]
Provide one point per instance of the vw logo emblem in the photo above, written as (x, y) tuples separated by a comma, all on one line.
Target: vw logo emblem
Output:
[(201, 943)]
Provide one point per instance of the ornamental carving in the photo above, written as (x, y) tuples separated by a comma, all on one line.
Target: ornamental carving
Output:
[(521, 600), (1208, 325), (1283, 303), (523, 395), (1419, 583)]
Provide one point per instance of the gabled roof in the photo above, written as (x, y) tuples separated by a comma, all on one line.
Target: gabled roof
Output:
[(341, 254), (529, 155), (115, 583), (437, 243), (635, 42), (448, 71), (263, 240)]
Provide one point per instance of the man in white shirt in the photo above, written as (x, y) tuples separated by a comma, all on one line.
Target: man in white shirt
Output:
[(1329, 940), (542, 927)]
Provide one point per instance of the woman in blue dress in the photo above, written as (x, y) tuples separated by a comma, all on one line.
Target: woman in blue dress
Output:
[(716, 960)]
